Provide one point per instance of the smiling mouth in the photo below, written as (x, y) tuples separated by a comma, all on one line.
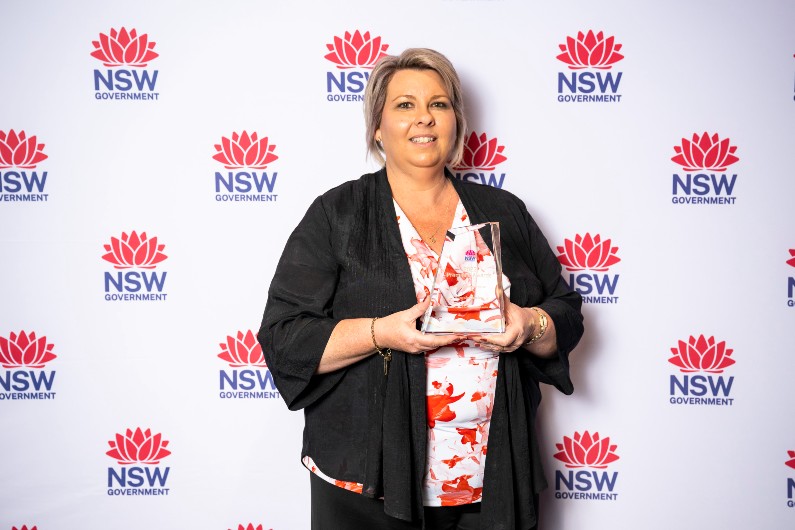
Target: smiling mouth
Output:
[(423, 139)]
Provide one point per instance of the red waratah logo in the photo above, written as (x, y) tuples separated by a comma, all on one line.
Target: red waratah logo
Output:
[(25, 351), (701, 355), (359, 50), (481, 153), (24, 527), (139, 447), (791, 461), (791, 261), (591, 50), (124, 47), (134, 250), (244, 150), (586, 450), (242, 350), (705, 152), (17, 150), (249, 527), (587, 252)]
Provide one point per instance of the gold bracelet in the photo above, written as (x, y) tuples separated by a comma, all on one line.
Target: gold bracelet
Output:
[(386, 353), (543, 323)]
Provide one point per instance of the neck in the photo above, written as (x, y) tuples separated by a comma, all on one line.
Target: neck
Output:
[(423, 185)]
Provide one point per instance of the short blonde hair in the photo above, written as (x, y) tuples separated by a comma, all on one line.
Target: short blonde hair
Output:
[(411, 59)]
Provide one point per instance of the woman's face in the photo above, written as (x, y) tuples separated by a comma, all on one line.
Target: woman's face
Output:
[(418, 127)]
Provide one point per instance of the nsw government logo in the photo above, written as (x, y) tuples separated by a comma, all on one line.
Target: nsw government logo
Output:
[(138, 454), (591, 254), (353, 55), (24, 357), (481, 156), (19, 153), (134, 251), (702, 361), (791, 481), (704, 160), (251, 153), (590, 455), (250, 527), (791, 280), (589, 57), (249, 377), (125, 55), (24, 527)]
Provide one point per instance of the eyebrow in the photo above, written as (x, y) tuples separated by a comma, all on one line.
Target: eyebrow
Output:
[(409, 96)]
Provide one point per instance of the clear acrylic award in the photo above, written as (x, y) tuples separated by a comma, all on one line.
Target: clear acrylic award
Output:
[(467, 289)]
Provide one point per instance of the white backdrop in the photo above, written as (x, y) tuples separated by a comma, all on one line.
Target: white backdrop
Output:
[(223, 451)]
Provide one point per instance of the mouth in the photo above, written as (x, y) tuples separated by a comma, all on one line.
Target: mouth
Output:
[(423, 139)]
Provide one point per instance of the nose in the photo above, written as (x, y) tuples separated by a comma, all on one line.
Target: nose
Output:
[(424, 116)]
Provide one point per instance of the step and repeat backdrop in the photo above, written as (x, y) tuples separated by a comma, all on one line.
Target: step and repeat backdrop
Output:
[(155, 156)]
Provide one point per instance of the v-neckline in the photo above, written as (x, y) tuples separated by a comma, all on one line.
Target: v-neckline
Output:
[(457, 223)]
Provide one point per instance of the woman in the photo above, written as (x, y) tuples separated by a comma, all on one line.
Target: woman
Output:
[(397, 421)]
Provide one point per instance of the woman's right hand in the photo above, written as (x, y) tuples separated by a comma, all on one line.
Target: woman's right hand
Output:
[(352, 339), (399, 331)]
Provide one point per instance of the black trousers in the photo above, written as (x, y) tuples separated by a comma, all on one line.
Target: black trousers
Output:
[(335, 508)]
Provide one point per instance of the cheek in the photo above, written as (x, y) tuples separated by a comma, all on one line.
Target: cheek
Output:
[(395, 126), (453, 128)]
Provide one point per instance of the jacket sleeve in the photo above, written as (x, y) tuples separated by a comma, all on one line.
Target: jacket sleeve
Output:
[(298, 321), (561, 303)]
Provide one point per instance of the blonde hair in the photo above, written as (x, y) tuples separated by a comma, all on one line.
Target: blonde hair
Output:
[(411, 59)]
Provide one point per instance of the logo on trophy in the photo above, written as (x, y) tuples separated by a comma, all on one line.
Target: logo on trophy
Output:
[(467, 290)]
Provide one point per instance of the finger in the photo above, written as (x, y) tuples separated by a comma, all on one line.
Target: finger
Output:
[(431, 342), (493, 347), (499, 347), (441, 340), (416, 311), (490, 341), (502, 340)]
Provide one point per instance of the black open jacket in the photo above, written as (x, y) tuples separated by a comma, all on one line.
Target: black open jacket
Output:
[(346, 260)]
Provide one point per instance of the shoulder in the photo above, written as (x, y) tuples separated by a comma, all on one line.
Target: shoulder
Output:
[(492, 200), (348, 193)]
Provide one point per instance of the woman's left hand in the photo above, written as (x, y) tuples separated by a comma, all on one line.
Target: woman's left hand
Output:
[(519, 327), (521, 323)]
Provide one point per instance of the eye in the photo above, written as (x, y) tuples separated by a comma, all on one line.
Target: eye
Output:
[(404, 105), (440, 104)]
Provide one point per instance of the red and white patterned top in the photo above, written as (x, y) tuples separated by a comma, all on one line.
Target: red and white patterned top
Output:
[(460, 395), (460, 391)]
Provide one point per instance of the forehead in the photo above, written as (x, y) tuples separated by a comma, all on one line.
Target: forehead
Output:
[(412, 82)]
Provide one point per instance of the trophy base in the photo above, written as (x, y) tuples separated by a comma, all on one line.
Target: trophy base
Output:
[(473, 320)]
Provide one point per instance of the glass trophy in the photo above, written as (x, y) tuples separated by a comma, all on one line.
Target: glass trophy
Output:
[(467, 289)]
